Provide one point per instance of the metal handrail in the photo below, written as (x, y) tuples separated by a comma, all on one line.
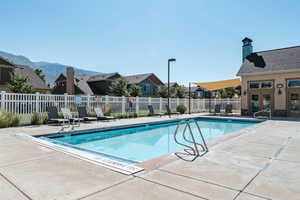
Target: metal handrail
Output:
[(193, 149), (267, 110)]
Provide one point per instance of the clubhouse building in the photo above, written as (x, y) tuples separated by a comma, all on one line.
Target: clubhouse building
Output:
[(270, 80)]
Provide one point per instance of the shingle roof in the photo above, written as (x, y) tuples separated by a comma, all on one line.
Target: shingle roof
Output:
[(33, 79), (82, 84), (101, 77), (137, 78), (4, 61), (272, 61), (172, 84), (217, 85)]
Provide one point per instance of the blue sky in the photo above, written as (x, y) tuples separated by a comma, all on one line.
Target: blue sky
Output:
[(138, 36)]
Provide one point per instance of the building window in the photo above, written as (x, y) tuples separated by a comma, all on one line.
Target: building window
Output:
[(261, 85), (5, 74), (294, 83), (266, 84), (254, 85)]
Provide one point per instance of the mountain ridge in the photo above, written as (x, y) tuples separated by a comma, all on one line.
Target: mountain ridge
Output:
[(51, 70)]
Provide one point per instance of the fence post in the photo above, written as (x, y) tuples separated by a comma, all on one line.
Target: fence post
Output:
[(66, 99), (177, 102), (37, 102), (160, 104), (149, 100), (137, 106), (2, 100), (123, 104), (106, 100), (192, 105), (88, 101)]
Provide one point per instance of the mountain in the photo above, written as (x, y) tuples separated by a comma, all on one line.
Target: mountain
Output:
[(53, 70), (50, 70)]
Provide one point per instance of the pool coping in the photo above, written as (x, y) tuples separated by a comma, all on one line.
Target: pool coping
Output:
[(124, 168)]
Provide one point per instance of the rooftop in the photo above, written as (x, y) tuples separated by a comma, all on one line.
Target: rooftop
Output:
[(272, 61)]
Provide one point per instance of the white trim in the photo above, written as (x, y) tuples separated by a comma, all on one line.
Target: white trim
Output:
[(96, 159), (262, 73)]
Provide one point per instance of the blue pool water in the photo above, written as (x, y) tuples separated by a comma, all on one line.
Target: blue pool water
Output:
[(149, 141)]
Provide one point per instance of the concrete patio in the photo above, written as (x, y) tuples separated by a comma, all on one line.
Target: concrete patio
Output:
[(251, 164)]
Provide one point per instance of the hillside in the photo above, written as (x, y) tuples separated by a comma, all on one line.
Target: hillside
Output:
[(50, 70)]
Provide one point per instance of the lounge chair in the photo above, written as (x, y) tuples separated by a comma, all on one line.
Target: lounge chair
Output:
[(68, 115), (54, 117), (228, 109), (217, 109), (171, 113), (82, 113), (101, 116), (151, 111)]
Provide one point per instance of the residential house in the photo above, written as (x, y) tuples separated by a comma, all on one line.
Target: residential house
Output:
[(85, 84), (172, 84), (196, 92), (270, 80), (148, 83), (7, 68)]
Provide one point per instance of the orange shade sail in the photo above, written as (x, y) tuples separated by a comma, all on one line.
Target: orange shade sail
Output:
[(218, 85)]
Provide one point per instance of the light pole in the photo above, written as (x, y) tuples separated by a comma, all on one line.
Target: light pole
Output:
[(189, 97), (170, 60)]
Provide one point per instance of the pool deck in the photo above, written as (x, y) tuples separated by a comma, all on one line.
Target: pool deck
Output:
[(256, 163)]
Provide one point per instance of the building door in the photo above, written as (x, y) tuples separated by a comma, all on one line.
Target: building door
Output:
[(293, 97), (293, 100), (261, 100)]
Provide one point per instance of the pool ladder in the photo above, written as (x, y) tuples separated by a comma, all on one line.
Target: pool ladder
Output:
[(192, 149)]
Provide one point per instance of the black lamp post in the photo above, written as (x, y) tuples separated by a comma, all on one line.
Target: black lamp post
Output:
[(170, 60)]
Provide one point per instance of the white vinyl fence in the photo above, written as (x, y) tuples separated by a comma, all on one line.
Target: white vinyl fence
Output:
[(31, 103)]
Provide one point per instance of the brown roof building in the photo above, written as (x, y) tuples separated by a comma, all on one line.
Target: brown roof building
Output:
[(7, 68)]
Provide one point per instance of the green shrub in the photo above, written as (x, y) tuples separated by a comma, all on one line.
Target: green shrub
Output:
[(4, 119), (8, 119), (60, 115), (35, 119), (181, 108), (92, 114), (15, 120), (44, 119), (107, 113)]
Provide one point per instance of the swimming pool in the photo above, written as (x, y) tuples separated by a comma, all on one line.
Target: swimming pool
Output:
[(143, 142)]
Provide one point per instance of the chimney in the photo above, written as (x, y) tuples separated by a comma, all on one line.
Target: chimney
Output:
[(247, 47), (70, 80)]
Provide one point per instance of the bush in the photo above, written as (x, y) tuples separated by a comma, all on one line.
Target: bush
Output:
[(15, 120), (181, 108), (107, 113), (44, 119), (8, 119), (36, 119), (92, 114), (4, 119)]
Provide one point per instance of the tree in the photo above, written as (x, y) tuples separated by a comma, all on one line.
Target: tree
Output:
[(162, 91), (39, 72), (135, 90), (19, 84), (119, 87), (226, 93), (180, 90)]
